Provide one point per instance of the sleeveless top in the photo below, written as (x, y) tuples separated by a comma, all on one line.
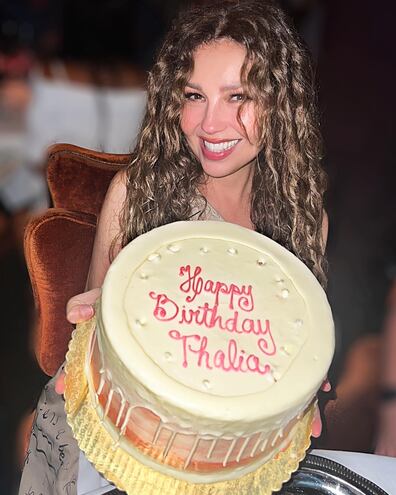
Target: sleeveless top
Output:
[(53, 460)]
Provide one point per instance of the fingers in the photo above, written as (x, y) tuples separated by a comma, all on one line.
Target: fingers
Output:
[(60, 383), (80, 307), (326, 387), (316, 428), (79, 313)]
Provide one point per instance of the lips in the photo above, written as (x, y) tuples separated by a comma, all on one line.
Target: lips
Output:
[(217, 150)]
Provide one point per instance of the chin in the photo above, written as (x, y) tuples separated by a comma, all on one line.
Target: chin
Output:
[(221, 171)]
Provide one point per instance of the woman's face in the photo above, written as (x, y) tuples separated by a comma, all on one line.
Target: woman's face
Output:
[(209, 117)]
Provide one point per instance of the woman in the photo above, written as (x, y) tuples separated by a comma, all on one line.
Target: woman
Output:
[(230, 133)]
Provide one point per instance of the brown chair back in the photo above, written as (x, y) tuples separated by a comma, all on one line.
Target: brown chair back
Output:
[(58, 243)]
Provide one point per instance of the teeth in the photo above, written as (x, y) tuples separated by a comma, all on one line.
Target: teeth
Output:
[(219, 147)]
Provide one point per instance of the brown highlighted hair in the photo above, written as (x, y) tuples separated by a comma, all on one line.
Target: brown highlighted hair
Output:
[(288, 182)]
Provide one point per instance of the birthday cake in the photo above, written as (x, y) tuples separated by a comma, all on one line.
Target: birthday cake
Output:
[(210, 344)]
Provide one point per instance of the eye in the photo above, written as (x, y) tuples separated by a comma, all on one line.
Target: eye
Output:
[(193, 96), (239, 97)]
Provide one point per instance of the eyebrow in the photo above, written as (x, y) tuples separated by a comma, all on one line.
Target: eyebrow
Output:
[(229, 87)]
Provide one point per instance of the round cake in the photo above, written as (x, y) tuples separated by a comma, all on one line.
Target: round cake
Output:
[(210, 344)]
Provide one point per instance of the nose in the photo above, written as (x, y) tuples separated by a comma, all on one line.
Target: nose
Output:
[(213, 119)]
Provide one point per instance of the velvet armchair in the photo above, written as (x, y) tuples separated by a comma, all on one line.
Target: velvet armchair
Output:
[(58, 243)]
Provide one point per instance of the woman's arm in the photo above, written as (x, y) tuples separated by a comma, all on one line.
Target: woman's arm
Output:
[(80, 307), (108, 229)]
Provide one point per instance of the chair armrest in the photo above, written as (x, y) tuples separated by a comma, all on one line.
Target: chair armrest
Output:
[(58, 247)]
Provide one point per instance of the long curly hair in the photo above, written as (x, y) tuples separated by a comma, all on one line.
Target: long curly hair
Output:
[(288, 182)]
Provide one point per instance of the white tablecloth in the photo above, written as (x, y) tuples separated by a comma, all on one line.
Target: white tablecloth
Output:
[(378, 469)]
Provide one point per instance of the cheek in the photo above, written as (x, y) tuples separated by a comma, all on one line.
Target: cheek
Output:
[(190, 119), (248, 119)]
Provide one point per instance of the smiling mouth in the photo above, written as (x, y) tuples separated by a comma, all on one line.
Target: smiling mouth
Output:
[(220, 147)]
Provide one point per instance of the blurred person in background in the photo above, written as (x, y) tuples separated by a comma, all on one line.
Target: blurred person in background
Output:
[(26, 28), (91, 93), (15, 63), (84, 85), (386, 435)]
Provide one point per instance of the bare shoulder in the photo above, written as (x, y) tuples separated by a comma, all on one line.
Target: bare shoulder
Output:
[(112, 206), (116, 192)]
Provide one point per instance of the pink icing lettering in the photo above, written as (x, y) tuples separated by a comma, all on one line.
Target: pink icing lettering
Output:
[(234, 359), (268, 347), (233, 356), (165, 309), (255, 327), (196, 316), (216, 288), (202, 353), (195, 284), (248, 325), (245, 302), (175, 334), (207, 315), (219, 360), (231, 324), (212, 319), (253, 364)]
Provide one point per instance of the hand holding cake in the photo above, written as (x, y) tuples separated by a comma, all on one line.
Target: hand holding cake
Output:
[(81, 307)]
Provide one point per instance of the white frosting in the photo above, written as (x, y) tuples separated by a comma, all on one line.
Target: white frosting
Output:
[(267, 311), (153, 319)]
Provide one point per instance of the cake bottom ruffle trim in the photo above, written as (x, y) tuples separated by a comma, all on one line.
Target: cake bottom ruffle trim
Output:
[(130, 475)]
